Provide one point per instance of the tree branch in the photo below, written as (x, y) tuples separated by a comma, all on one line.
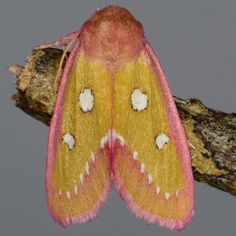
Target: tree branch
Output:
[(211, 134)]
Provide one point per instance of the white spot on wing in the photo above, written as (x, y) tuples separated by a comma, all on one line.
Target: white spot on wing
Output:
[(68, 195), (69, 140), (135, 155), (118, 137), (86, 100), (167, 196), (139, 100), (81, 178), (76, 189), (161, 140), (92, 157), (142, 168), (87, 168), (104, 140), (158, 190), (177, 193), (149, 179)]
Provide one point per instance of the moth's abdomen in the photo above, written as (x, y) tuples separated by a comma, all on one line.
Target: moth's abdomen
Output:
[(112, 35)]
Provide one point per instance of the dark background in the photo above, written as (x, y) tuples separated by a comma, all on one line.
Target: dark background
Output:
[(195, 41)]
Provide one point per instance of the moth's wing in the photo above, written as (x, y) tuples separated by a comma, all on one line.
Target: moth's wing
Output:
[(78, 167), (152, 170)]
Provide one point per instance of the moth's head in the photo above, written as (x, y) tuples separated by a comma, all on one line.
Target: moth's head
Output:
[(112, 34)]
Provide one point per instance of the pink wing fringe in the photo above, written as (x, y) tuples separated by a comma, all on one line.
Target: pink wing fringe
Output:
[(55, 130), (179, 136), (182, 149), (85, 216), (139, 213)]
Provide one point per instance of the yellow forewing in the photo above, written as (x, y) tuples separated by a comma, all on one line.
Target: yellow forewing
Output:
[(80, 174), (141, 128), (155, 181)]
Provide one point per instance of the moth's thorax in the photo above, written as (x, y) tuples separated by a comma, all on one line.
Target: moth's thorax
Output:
[(112, 35)]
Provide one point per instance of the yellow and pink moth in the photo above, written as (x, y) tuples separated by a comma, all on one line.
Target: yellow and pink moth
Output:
[(115, 124)]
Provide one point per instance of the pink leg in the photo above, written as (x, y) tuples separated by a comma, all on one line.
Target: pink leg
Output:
[(67, 40), (61, 42)]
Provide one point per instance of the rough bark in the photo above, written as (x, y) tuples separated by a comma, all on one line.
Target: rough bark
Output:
[(211, 133)]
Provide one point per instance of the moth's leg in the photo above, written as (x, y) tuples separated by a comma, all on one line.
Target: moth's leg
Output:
[(61, 42), (65, 50)]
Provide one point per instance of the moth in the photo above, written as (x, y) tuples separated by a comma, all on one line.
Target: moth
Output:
[(115, 123)]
